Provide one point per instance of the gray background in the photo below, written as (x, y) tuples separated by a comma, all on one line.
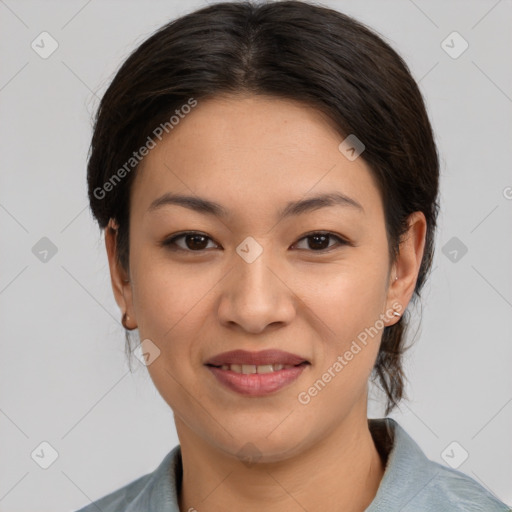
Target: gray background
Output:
[(63, 374)]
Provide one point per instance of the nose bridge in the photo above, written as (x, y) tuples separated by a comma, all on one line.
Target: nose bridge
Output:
[(255, 295), (255, 276)]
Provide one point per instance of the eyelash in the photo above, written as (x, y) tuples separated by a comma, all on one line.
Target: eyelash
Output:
[(169, 243)]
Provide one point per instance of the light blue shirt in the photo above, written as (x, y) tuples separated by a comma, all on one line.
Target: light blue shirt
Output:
[(411, 482)]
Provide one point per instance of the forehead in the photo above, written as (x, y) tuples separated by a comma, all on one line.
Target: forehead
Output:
[(253, 150)]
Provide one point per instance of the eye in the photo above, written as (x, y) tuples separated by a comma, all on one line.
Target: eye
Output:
[(193, 242), (318, 241)]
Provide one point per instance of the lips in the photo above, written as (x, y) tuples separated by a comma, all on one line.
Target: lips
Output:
[(256, 373), (261, 358)]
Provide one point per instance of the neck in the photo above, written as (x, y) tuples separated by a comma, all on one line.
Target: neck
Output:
[(341, 472)]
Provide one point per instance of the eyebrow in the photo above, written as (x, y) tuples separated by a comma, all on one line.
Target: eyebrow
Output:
[(292, 208)]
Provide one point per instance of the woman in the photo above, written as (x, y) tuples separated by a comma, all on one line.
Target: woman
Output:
[(267, 179)]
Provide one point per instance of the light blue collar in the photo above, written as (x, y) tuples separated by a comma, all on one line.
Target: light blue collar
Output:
[(411, 482)]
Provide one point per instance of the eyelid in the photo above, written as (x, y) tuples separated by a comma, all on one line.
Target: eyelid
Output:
[(341, 241), (170, 241)]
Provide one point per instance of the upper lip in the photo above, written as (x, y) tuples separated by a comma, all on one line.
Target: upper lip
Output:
[(263, 357)]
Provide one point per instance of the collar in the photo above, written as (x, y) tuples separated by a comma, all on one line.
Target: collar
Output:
[(407, 473)]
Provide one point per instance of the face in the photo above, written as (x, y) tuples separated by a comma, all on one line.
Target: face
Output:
[(257, 273)]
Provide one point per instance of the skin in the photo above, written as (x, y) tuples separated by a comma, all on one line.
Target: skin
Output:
[(253, 154)]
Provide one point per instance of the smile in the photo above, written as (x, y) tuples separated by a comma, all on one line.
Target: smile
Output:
[(256, 373), (252, 368)]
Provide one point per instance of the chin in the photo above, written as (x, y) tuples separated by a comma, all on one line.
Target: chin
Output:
[(256, 446)]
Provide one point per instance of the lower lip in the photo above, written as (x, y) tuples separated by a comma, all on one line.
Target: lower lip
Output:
[(257, 384)]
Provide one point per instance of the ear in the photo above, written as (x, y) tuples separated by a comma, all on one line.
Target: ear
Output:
[(407, 265), (119, 277)]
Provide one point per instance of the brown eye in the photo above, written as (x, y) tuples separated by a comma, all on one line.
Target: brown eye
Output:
[(319, 241), (191, 242), (197, 242)]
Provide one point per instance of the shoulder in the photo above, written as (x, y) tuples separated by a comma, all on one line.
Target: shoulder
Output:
[(414, 483), (155, 489), (119, 499), (452, 490)]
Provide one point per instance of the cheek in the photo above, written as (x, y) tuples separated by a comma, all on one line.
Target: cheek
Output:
[(170, 302), (168, 295), (345, 303), (347, 319), (346, 297)]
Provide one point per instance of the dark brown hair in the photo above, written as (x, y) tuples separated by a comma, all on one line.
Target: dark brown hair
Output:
[(293, 50)]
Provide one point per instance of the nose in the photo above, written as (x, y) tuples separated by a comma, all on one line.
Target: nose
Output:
[(256, 297)]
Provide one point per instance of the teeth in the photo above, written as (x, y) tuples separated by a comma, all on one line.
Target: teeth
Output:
[(265, 368), (248, 369)]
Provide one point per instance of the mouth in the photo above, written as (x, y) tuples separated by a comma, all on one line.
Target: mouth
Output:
[(261, 358), (248, 369), (256, 373)]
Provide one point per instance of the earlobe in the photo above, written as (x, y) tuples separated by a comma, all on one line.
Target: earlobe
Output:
[(118, 276)]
